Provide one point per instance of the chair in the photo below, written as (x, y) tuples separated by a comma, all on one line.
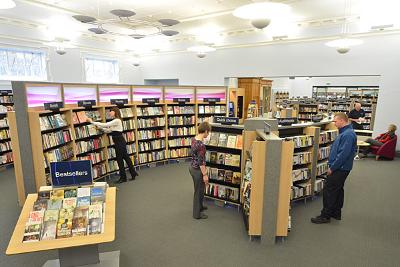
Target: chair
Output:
[(387, 150)]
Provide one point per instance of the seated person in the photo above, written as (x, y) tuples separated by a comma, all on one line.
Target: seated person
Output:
[(382, 138)]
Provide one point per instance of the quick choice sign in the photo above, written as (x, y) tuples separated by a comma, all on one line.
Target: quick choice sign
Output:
[(71, 173)]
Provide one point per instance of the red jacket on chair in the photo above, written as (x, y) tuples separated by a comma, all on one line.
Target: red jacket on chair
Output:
[(387, 150)]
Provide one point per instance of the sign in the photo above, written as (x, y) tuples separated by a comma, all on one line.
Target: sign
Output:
[(212, 100), (86, 103), (287, 121), (119, 102), (71, 173), (150, 101), (226, 120), (54, 106), (181, 100), (5, 92)]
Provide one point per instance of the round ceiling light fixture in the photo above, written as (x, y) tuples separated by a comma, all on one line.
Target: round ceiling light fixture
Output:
[(343, 45), (261, 14), (7, 4), (201, 50), (98, 30)]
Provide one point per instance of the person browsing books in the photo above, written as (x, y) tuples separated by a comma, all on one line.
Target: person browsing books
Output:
[(114, 128), (357, 117), (198, 170), (340, 164)]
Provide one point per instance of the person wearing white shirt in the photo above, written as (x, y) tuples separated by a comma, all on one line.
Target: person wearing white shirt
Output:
[(115, 129)]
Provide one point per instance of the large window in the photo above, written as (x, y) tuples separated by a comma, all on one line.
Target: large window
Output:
[(100, 70), (22, 65)]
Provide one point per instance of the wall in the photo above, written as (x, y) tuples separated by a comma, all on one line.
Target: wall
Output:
[(379, 55)]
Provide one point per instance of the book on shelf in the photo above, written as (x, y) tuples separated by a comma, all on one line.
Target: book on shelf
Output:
[(81, 116), (236, 178), (201, 109), (71, 192), (36, 216), (221, 175), (49, 230), (69, 203), (228, 176), (223, 139), (231, 143), (65, 214), (64, 228), (97, 195), (83, 201), (40, 204), (214, 137), (31, 232), (51, 215), (54, 204), (57, 194), (239, 141)]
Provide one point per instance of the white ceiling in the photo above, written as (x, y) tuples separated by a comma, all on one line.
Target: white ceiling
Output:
[(201, 21)]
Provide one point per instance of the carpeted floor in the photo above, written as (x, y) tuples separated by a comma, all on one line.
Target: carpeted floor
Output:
[(155, 227)]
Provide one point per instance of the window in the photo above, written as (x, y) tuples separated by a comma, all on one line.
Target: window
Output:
[(22, 65), (101, 70)]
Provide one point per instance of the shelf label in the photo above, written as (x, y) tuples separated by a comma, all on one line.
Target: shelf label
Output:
[(181, 100), (5, 92), (119, 102), (227, 120), (53, 106), (150, 101), (287, 121), (86, 103), (71, 173), (212, 100)]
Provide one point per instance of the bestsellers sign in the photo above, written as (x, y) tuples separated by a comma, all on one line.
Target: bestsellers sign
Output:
[(71, 173)]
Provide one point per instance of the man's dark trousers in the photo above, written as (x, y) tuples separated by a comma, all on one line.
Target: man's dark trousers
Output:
[(333, 194)]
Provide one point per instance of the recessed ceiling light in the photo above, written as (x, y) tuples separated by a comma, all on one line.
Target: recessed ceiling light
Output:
[(7, 4)]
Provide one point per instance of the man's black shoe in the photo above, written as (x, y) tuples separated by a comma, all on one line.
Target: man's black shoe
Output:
[(337, 217), (204, 208), (120, 181), (202, 216), (320, 219)]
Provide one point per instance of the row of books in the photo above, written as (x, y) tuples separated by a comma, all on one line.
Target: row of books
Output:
[(323, 107), (302, 140), (226, 140), (89, 145), (150, 134), (302, 158), (341, 107), (59, 214), (3, 123), (179, 152), (6, 158), (81, 116), (99, 170), (86, 131), (224, 175), (6, 146), (322, 168), (52, 121), (307, 116), (300, 190), (366, 127), (209, 119), (223, 158), (180, 142), (128, 125), (149, 111), (246, 186), (6, 99), (151, 145), (323, 152), (126, 112), (319, 185), (131, 148), (59, 154), (56, 138), (4, 134), (222, 192), (328, 136), (94, 157), (153, 122), (207, 109), (301, 174), (178, 110), (111, 153), (4, 109), (181, 120), (308, 109), (112, 165), (151, 156), (182, 131)]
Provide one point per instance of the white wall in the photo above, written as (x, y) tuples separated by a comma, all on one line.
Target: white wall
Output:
[(379, 55)]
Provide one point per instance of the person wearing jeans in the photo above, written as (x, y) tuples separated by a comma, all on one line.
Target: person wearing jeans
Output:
[(340, 164), (198, 171), (381, 139)]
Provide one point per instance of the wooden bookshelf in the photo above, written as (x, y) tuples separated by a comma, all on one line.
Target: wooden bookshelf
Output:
[(6, 153), (307, 111), (207, 111)]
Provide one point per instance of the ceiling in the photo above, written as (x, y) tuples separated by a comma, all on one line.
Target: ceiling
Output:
[(202, 21)]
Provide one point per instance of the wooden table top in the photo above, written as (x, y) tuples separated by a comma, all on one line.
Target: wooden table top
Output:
[(16, 246), (362, 143)]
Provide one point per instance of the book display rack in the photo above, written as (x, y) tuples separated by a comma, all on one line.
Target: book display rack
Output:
[(307, 111), (6, 104), (207, 110)]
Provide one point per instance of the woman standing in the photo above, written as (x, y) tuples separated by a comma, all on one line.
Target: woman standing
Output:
[(198, 170), (115, 128)]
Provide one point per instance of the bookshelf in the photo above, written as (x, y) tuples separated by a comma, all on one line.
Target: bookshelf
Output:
[(370, 109), (181, 121), (206, 111), (6, 104), (151, 133), (307, 111), (280, 97), (224, 163), (341, 106)]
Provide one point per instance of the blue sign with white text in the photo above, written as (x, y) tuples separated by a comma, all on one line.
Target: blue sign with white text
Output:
[(71, 173)]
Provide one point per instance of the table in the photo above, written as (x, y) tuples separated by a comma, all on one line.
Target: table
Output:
[(360, 143), (72, 251)]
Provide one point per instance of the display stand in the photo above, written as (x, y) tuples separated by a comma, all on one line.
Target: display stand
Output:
[(72, 251)]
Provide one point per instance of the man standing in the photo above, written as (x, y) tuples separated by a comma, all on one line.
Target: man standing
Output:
[(340, 164), (357, 117)]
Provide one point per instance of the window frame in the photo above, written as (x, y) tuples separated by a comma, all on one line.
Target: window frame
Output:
[(101, 58)]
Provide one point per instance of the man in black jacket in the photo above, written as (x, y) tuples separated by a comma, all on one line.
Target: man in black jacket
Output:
[(340, 164)]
